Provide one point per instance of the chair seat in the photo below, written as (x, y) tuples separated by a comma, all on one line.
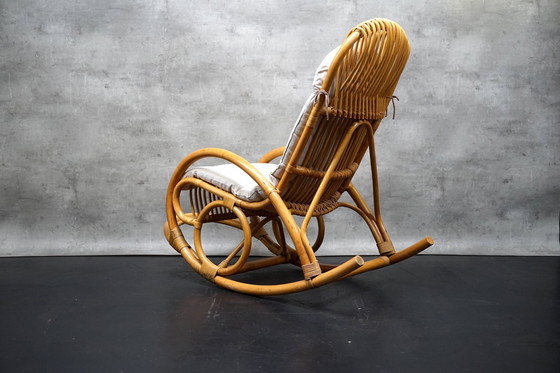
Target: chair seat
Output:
[(234, 180)]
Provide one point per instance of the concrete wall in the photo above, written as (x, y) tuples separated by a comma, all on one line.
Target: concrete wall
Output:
[(99, 100)]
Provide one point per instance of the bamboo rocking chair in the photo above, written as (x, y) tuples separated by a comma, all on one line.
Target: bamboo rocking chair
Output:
[(353, 88)]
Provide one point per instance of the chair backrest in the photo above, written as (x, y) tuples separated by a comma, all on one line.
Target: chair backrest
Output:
[(353, 96)]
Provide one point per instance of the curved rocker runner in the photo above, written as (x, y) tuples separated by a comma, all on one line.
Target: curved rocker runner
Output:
[(353, 87)]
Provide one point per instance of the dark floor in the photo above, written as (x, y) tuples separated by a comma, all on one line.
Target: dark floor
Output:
[(153, 314)]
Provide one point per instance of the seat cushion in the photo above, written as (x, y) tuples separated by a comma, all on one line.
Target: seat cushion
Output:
[(234, 180)]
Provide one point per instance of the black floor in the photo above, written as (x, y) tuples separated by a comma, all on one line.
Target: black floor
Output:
[(153, 314)]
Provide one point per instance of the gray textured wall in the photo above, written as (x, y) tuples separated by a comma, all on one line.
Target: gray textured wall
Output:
[(99, 100)]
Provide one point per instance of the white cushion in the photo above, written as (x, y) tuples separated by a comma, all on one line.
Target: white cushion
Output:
[(321, 71), (297, 130), (234, 180)]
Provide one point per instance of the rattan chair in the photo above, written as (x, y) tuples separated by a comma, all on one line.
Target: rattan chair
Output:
[(353, 88)]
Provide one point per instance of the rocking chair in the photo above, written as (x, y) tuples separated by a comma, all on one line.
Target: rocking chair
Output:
[(353, 88)]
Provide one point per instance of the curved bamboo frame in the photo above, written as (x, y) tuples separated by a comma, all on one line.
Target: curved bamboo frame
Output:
[(361, 81)]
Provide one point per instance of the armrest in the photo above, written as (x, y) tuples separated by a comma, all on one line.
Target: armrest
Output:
[(226, 155), (275, 153)]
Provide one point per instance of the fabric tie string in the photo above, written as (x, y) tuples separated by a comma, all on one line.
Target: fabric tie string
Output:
[(394, 107)]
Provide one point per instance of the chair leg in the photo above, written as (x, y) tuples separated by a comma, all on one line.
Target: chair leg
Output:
[(387, 252)]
